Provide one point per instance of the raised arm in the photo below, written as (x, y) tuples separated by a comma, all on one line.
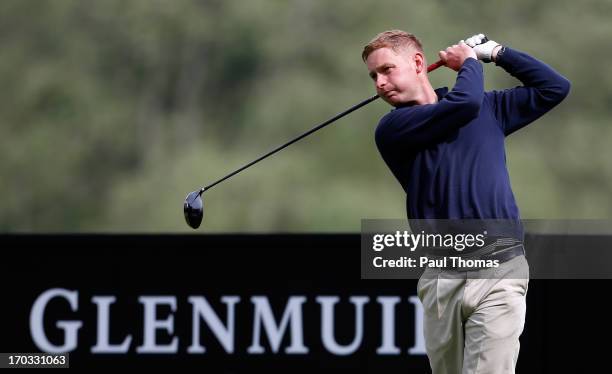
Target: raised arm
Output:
[(543, 88)]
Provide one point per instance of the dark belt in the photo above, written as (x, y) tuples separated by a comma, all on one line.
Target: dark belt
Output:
[(505, 254)]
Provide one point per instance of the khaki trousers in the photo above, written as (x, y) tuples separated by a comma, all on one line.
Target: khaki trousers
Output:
[(473, 319)]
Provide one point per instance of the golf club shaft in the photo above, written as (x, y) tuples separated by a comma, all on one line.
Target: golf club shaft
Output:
[(435, 65), (337, 117), (430, 68)]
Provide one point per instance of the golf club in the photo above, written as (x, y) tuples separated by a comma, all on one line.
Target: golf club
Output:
[(194, 206)]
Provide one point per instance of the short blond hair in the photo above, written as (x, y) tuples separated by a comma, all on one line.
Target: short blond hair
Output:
[(397, 40)]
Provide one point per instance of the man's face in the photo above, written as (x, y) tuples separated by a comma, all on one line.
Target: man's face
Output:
[(394, 75)]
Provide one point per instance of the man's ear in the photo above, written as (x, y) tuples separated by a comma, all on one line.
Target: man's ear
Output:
[(419, 62)]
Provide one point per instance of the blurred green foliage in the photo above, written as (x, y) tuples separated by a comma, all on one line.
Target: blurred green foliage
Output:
[(112, 111)]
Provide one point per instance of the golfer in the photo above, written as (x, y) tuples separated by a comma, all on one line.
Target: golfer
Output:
[(446, 149)]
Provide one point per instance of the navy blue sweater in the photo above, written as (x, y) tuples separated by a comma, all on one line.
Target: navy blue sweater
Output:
[(449, 156)]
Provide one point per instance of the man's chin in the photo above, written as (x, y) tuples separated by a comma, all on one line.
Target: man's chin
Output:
[(392, 99)]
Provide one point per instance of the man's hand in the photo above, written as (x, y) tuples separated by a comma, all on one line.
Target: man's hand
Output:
[(453, 57), (485, 49)]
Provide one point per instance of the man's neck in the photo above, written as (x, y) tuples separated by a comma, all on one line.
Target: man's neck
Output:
[(427, 95)]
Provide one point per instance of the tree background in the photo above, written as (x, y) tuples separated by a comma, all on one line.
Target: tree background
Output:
[(112, 111)]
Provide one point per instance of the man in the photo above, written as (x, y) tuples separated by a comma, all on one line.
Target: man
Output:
[(446, 148)]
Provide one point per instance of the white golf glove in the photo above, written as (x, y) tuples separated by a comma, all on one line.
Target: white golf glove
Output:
[(482, 46)]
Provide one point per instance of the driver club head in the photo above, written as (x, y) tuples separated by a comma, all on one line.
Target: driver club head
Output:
[(194, 209)]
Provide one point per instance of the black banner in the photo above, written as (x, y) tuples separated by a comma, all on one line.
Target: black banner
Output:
[(243, 303)]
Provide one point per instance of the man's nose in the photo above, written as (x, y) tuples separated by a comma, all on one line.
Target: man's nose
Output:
[(381, 81)]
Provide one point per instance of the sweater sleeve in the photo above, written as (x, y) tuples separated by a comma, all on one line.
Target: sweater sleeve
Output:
[(420, 126), (543, 88)]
